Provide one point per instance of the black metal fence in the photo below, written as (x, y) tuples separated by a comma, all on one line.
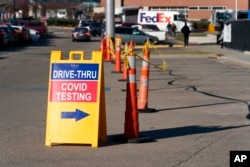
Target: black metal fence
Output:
[(240, 35)]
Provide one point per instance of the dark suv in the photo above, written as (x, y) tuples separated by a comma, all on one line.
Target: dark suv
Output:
[(94, 27)]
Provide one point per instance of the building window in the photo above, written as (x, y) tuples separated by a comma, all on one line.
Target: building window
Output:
[(218, 7), (193, 8), (172, 8), (203, 8)]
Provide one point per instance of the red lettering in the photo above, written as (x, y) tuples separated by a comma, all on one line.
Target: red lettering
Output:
[(167, 19), (160, 17)]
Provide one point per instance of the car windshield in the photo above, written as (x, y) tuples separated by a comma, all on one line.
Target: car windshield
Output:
[(152, 27), (81, 30), (85, 24)]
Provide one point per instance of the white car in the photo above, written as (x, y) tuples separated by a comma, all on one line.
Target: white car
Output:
[(34, 34)]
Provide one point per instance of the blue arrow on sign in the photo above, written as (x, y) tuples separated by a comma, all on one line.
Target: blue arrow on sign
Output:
[(78, 115)]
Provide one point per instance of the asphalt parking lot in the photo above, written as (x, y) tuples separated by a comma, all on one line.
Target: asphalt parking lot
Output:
[(202, 105)]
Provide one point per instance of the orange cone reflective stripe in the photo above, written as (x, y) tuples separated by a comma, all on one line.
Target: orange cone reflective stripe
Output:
[(144, 82)]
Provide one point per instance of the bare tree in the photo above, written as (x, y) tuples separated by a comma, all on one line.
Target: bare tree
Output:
[(24, 6)]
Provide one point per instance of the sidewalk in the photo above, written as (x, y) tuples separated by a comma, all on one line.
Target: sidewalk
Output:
[(210, 38), (208, 44)]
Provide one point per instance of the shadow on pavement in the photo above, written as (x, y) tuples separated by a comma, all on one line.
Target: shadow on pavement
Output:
[(173, 132), (187, 130)]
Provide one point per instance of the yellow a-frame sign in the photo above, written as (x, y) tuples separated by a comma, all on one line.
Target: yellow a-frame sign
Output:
[(76, 111)]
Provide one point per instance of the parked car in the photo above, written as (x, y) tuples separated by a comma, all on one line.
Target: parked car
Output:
[(94, 27), (152, 30), (34, 34), (3, 38), (128, 24), (138, 36), (12, 36), (85, 24), (36, 25), (23, 33), (152, 27), (81, 34), (149, 27)]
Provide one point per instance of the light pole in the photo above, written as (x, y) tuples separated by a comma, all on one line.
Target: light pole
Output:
[(236, 9)]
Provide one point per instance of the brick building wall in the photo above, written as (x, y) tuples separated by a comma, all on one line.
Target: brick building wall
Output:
[(198, 13)]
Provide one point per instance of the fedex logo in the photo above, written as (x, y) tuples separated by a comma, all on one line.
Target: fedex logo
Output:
[(158, 18)]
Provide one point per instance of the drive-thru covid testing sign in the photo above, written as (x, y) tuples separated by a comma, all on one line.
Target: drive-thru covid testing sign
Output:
[(76, 100), (74, 82)]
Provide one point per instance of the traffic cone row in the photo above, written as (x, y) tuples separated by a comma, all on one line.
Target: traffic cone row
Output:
[(131, 125)]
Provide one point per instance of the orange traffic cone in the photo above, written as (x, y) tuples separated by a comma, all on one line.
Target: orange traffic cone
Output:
[(144, 83), (117, 55), (103, 48), (131, 129), (108, 52), (124, 71)]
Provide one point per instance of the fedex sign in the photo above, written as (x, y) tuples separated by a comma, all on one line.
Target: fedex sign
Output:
[(156, 18)]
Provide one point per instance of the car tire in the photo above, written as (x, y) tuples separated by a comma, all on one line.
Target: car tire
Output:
[(94, 33)]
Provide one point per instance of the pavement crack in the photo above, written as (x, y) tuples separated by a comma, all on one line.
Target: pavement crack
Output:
[(194, 154), (197, 152), (195, 89)]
